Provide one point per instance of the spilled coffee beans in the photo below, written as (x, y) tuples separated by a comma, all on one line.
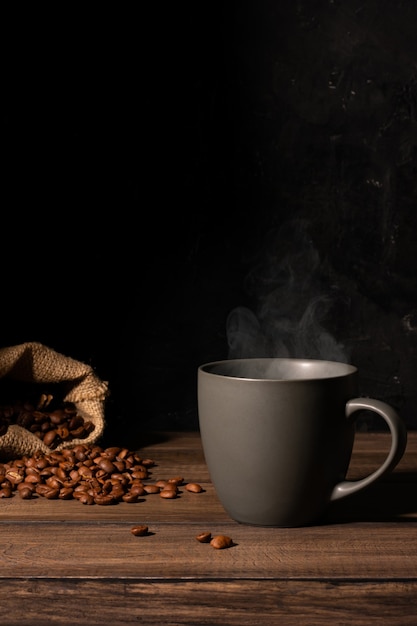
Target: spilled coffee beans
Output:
[(140, 530), (87, 473)]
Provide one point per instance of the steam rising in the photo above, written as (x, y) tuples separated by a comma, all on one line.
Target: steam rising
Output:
[(294, 302)]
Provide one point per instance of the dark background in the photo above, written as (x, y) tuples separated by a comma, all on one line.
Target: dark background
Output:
[(201, 180)]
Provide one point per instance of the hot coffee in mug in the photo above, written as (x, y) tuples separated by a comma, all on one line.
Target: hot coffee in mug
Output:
[(278, 435)]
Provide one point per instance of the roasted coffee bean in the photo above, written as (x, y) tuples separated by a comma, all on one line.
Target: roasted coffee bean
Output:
[(162, 483), (57, 416), (26, 493), (204, 537), (41, 489), (137, 490), (85, 471), (66, 493), (140, 530), (166, 485), (104, 500), (75, 421), (111, 453), (130, 497), (140, 474), (177, 480), (52, 493), (44, 401), (34, 479), (86, 498), (194, 487), (168, 494), (105, 464), (52, 425), (53, 482), (152, 489), (25, 485), (14, 476), (220, 542), (148, 462), (62, 432)]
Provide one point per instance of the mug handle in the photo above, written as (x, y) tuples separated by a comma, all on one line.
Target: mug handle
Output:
[(398, 444)]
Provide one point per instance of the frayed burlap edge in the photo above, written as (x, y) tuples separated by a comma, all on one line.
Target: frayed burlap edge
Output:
[(33, 362)]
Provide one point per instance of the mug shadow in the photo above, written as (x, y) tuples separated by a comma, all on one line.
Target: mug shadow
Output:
[(391, 500)]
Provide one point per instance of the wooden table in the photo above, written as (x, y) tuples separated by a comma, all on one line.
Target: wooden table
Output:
[(62, 562)]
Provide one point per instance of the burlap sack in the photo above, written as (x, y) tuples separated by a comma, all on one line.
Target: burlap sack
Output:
[(77, 383)]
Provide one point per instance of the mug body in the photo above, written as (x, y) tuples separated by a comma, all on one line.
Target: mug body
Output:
[(275, 435)]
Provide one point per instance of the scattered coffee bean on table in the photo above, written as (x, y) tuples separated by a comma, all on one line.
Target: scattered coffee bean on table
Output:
[(204, 537), (139, 531), (194, 487), (220, 542)]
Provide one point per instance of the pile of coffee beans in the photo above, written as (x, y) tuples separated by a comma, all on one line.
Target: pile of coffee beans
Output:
[(88, 473), (50, 421)]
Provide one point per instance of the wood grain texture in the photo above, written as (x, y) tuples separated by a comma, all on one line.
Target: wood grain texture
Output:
[(334, 552), (91, 602)]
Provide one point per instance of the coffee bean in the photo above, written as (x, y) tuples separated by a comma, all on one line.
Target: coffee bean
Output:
[(152, 489), (148, 463), (14, 476), (57, 416), (194, 487), (105, 464), (140, 530), (220, 542), (204, 537), (25, 493), (137, 490), (25, 485), (104, 500), (162, 483), (176, 480), (168, 494), (130, 497), (51, 493), (66, 493), (86, 498)]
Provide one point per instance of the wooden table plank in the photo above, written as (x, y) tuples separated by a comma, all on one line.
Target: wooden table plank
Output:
[(171, 551), (181, 603)]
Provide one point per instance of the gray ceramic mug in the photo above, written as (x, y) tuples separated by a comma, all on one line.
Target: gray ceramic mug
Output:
[(278, 434)]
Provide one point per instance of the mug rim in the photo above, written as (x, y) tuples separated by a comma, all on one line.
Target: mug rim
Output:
[(346, 369)]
